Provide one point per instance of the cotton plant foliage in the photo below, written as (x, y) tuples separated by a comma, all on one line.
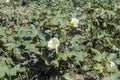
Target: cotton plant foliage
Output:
[(59, 39)]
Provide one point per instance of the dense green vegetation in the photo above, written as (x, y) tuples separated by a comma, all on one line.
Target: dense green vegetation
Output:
[(88, 51)]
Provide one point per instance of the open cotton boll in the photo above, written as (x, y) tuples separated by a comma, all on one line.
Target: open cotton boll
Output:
[(54, 43), (7, 1), (75, 22), (112, 64)]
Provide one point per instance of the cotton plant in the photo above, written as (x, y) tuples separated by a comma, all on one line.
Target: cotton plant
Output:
[(54, 43), (75, 22)]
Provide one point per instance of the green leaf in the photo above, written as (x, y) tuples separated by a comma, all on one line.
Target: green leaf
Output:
[(3, 71), (31, 47), (98, 56), (63, 56), (2, 31), (12, 72), (114, 76), (69, 76), (54, 21), (78, 57), (112, 69), (111, 56), (99, 67), (117, 61), (95, 51)]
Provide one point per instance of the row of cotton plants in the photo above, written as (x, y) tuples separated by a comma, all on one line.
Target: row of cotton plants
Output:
[(59, 40)]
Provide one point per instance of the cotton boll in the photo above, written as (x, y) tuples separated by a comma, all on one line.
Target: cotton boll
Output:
[(7, 1), (112, 64), (54, 43), (75, 22)]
